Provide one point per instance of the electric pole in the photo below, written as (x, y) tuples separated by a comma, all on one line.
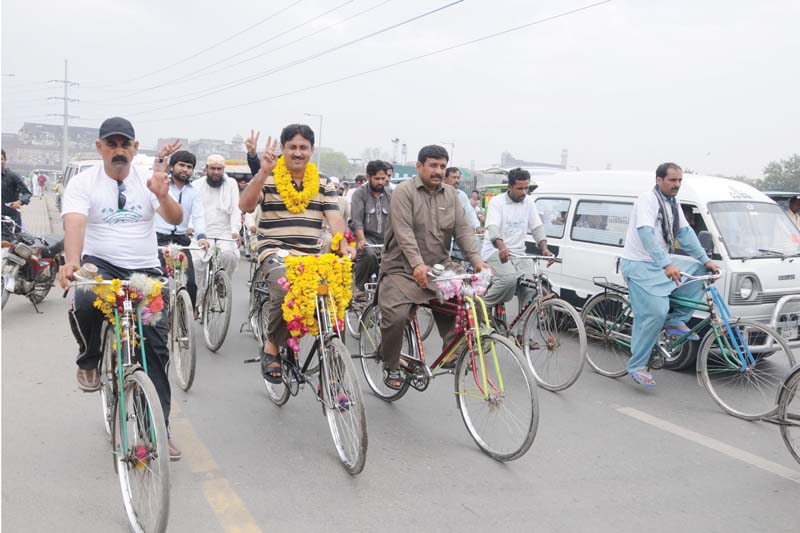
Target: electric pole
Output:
[(65, 142)]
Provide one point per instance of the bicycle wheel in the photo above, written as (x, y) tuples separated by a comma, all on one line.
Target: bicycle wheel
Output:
[(278, 393), (183, 349), (217, 310), (752, 393), (425, 320), (344, 405), (554, 342), (369, 347), (141, 454), (351, 319), (608, 322), (108, 377), (254, 305), (501, 412), (789, 413)]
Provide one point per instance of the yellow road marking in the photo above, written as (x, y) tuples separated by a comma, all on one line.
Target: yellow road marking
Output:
[(228, 508)]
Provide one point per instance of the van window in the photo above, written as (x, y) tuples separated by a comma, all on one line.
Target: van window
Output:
[(553, 212), (601, 222)]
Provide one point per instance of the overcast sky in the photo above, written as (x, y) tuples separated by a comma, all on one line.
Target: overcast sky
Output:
[(712, 85)]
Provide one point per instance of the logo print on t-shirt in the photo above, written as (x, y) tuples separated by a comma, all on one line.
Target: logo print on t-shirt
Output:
[(128, 215)]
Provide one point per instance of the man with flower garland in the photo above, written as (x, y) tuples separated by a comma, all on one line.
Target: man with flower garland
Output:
[(109, 212), (295, 201), (425, 216)]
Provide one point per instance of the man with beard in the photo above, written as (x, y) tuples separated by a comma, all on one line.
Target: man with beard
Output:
[(657, 223), (452, 177), (223, 218), (369, 213), (15, 194), (108, 212), (509, 218), (289, 221), (424, 218), (181, 167)]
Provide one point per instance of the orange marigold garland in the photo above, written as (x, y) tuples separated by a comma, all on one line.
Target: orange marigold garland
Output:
[(307, 277)]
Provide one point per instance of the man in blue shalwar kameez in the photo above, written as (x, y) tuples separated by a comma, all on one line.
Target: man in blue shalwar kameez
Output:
[(657, 223)]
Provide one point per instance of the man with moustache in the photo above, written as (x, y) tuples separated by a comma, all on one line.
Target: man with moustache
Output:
[(297, 232), (109, 212), (369, 214), (223, 218), (657, 224), (509, 218), (181, 167), (424, 218)]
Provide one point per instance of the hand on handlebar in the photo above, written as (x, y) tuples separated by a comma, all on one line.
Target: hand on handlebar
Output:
[(673, 273), (203, 244), (713, 267), (66, 273), (421, 275)]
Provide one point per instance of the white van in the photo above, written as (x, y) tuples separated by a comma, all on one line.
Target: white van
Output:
[(586, 216)]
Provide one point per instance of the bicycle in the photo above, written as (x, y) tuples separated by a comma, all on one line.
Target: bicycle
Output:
[(357, 306), (181, 336), (338, 390), (553, 336), (788, 412), (217, 299), (495, 390), (132, 413), (740, 362)]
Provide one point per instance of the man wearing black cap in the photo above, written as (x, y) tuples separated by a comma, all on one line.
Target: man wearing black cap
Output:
[(108, 212), (181, 166)]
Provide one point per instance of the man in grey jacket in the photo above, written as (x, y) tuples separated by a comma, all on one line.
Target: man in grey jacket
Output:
[(369, 212)]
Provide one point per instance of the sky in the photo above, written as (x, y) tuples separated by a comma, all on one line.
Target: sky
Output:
[(711, 85)]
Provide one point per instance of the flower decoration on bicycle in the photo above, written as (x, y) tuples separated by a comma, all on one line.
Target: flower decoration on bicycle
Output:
[(175, 259), (309, 277), (144, 294), (337, 239), (451, 284)]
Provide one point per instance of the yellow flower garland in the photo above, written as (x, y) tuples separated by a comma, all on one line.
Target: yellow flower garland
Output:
[(337, 239), (306, 278), (296, 201)]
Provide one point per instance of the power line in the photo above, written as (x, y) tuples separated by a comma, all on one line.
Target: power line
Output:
[(387, 66), (200, 70), (231, 85), (204, 50)]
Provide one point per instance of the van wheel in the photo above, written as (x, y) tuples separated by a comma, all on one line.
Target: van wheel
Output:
[(684, 359)]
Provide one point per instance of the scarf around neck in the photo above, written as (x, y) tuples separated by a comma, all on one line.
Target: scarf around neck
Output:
[(668, 231)]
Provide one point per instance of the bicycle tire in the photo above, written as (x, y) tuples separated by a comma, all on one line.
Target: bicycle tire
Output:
[(604, 352), (183, 348), (751, 394), (278, 393), (476, 408), (217, 310), (255, 301), (144, 419), (425, 321), (369, 342), (554, 339), (351, 321), (344, 405), (107, 377), (789, 412)]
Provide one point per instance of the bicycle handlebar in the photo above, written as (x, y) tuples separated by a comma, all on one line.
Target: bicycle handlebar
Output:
[(548, 258), (707, 277)]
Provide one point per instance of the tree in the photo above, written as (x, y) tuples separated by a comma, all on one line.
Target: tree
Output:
[(783, 175), (334, 164)]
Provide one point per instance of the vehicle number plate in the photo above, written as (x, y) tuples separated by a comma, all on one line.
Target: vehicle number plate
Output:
[(788, 326), (127, 306)]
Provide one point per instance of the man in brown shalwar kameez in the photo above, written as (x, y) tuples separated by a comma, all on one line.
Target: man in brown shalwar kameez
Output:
[(425, 216)]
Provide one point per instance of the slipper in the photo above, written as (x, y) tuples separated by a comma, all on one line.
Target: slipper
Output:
[(678, 331), (273, 374), (643, 378), (393, 379)]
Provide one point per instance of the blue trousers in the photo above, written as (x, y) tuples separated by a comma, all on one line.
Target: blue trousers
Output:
[(651, 312)]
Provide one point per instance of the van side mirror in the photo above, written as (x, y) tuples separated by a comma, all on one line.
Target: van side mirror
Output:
[(706, 241)]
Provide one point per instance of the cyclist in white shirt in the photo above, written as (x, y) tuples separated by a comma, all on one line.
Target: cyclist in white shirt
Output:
[(509, 218)]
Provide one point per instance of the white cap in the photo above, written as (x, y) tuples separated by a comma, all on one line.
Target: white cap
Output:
[(215, 159)]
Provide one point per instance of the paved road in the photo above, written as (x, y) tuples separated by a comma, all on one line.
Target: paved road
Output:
[(608, 456)]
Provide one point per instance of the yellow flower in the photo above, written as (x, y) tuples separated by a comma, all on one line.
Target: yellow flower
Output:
[(296, 201)]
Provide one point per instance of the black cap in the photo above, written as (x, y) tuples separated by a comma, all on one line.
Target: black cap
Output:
[(117, 126)]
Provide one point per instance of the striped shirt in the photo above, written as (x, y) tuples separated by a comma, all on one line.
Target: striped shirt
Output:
[(299, 233)]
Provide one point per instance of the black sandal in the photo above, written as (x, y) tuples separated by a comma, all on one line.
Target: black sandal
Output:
[(393, 379), (273, 374)]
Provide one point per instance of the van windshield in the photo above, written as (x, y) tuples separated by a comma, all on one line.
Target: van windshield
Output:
[(752, 230)]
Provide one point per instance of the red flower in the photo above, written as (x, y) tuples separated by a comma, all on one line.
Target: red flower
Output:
[(157, 304)]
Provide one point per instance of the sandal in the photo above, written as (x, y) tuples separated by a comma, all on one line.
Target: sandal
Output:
[(643, 378), (678, 331), (393, 379), (272, 373)]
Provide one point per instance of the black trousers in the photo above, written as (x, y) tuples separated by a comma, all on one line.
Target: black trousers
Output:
[(90, 324), (165, 239), (366, 265)]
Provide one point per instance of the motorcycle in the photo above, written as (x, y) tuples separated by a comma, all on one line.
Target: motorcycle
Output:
[(29, 263)]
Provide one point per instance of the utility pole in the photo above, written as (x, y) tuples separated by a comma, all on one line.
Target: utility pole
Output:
[(66, 116)]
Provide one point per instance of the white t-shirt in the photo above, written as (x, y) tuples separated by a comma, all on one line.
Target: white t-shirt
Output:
[(125, 237), (645, 213), (515, 220)]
